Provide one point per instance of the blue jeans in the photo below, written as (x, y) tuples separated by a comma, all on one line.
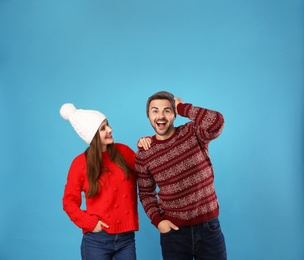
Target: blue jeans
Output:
[(203, 241), (104, 246)]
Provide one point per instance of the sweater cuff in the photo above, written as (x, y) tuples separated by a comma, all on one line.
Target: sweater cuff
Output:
[(156, 220), (91, 223), (182, 109)]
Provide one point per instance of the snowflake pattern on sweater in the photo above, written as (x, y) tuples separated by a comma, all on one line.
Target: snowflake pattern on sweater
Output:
[(175, 176)]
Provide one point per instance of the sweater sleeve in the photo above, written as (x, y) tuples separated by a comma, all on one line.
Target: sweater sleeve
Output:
[(147, 193), (208, 123), (72, 197)]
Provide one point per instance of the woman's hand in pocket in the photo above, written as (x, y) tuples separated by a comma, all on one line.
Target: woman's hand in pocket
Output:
[(99, 226)]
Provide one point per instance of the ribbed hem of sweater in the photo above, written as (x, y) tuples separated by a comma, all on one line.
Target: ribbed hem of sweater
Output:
[(119, 228), (191, 222)]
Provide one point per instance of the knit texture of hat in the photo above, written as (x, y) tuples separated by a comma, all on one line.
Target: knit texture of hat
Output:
[(161, 95), (85, 122)]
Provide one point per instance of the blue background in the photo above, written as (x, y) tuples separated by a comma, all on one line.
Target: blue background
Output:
[(242, 58)]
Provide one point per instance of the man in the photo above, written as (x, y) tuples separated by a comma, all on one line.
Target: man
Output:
[(185, 209)]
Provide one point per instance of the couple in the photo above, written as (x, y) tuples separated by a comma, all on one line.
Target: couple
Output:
[(185, 209)]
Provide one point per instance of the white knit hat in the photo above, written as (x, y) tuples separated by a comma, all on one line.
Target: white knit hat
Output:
[(85, 122)]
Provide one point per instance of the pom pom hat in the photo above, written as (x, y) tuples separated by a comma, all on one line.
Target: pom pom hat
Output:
[(85, 122)]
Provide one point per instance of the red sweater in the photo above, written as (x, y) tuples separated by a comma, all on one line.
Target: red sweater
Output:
[(181, 168), (115, 204)]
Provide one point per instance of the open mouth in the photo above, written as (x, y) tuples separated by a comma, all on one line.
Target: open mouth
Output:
[(161, 123)]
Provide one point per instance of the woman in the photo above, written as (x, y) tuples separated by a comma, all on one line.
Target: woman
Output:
[(105, 174)]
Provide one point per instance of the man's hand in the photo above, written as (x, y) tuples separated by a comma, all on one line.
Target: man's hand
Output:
[(177, 101), (165, 226)]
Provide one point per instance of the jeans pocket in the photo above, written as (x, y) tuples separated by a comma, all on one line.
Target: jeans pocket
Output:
[(97, 231), (167, 232), (214, 225)]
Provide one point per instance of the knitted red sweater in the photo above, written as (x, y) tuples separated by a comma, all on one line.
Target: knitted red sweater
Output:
[(181, 168), (115, 204)]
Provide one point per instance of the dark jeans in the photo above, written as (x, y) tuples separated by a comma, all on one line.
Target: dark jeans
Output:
[(104, 246), (204, 241)]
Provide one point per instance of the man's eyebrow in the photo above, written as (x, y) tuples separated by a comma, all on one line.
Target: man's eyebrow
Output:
[(164, 108)]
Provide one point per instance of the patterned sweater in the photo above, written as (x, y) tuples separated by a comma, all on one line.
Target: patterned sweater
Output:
[(115, 204), (175, 176)]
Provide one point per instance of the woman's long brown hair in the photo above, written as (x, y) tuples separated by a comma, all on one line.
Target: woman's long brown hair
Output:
[(95, 166)]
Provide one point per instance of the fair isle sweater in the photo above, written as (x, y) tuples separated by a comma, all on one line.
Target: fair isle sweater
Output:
[(115, 204), (175, 176)]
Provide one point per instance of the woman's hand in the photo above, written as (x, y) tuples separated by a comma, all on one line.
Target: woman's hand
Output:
[(144, 142), (99, 226)]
